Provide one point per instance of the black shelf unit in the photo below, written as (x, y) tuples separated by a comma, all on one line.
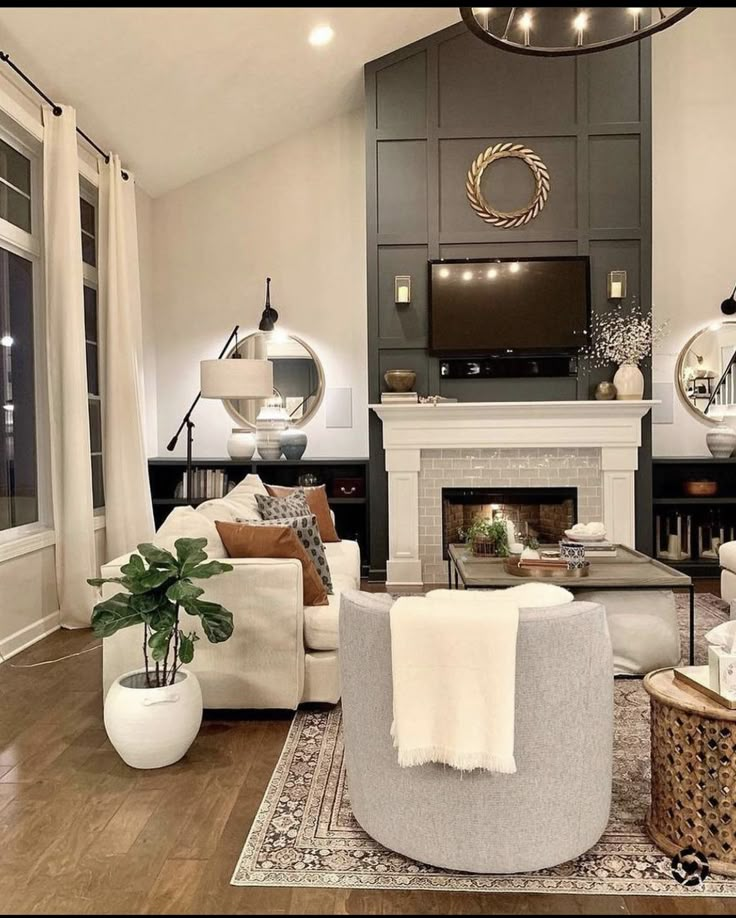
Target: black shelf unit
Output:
[(351, 513), (669, 475)]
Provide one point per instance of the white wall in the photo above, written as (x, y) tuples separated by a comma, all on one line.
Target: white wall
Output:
[(294, 212), (694, 195)]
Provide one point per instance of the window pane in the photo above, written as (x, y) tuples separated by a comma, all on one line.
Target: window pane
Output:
[(88, 216), (93, 379), (15, 168), (15, 208), (98, 488), (18, 473), (95, 426), (89, 254), (90, 314)]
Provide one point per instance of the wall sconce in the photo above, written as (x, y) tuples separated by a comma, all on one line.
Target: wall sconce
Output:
[(402, 289), (616, 285), (728, 306)]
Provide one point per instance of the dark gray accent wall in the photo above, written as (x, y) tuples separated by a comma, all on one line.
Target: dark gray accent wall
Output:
[(431, 108)]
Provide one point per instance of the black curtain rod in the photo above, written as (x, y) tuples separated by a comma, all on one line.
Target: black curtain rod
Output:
[(56, 109)]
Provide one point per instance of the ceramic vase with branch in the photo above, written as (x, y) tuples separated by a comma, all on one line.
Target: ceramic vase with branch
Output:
[(153, 714), (624, 337)]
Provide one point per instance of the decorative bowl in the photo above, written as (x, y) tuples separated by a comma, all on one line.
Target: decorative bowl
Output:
[(400, 380), (574, 536), (700, 488)]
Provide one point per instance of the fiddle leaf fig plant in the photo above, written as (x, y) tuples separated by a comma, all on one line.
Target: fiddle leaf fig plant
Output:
[(159, 586)]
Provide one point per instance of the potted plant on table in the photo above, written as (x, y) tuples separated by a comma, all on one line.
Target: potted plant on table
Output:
[(153, 714), (489, 537)]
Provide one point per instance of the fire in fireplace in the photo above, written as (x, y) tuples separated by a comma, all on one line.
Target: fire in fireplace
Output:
[(540, 513)]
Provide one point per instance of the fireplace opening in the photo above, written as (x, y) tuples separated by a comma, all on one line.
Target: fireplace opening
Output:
[(540, 513)]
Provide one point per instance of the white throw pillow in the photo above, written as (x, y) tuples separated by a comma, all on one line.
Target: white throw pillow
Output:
[(528, 595), (219, 509), (187, 523), (243, 496)]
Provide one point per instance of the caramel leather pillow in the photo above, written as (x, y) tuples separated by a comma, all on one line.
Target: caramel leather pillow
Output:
[(244, 541), (317, 500)]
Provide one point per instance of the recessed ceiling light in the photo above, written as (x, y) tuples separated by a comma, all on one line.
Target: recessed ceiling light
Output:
[(321, 35), (492, 272), (514, 267), (444, 272), (6, 340), (467, 275)]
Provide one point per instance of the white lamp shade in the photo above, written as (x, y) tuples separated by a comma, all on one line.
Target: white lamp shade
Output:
[(236, 378)]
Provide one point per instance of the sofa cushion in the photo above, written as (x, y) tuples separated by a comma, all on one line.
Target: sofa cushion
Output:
[(243, 496), (344, 561), (187, 523), (727, 555), (316, 497), (258, 541), (321, 622), (308, 531), (219, 509)]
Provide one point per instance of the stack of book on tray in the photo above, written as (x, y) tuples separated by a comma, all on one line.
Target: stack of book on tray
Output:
[(399, 398), (593, 550), (544, 562)]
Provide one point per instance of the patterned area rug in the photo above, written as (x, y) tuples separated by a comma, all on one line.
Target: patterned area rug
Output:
[(304, 833)]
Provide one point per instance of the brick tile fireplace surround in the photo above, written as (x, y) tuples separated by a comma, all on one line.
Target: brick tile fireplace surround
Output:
[(587, 445)]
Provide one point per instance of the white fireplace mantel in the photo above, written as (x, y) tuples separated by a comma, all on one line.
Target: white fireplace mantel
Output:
[(613, 427)]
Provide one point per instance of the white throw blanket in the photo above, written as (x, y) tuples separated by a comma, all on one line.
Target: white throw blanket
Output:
[(454, 679)]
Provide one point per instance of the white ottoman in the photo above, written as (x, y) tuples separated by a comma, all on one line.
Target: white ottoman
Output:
[(643, 626)]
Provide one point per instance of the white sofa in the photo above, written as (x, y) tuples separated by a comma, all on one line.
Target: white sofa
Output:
[(727, 557), (281, 653)]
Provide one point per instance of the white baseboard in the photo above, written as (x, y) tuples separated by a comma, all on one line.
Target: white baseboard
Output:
[(31, 634)]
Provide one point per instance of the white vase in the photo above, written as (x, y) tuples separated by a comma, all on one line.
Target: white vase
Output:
[(721, 440), (629, 382), (153, 727), (241, 443)]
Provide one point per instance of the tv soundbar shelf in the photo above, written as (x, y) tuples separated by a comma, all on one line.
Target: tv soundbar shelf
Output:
[(351, 512)]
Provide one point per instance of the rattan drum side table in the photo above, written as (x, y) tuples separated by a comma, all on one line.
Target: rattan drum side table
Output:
[(693, 772)]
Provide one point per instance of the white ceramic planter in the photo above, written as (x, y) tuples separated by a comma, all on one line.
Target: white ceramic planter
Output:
[(153, 727), (629, 382)]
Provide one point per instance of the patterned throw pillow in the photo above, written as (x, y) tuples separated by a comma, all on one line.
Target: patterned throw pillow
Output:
[(281, 508), (307, 532)]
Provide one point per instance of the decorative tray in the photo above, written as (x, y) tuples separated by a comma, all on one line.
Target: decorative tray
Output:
[(542, 570)]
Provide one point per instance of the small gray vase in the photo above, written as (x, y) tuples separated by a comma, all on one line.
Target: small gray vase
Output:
[(293, 443)]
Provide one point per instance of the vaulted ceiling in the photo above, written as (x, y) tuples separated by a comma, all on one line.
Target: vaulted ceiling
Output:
[(182, 92)]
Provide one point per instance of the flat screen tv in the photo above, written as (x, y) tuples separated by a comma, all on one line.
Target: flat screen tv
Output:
[(534, 305)]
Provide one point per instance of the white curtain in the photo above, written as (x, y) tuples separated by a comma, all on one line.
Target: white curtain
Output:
[(71, 475), (128, 512)]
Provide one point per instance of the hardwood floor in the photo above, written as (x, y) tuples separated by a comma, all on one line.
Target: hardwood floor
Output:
[(80, 832)]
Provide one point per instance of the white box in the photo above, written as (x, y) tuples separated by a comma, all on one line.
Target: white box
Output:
[(722, 671)]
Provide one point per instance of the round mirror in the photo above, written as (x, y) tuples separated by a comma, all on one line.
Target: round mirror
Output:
[(298, 377), (706, 372)]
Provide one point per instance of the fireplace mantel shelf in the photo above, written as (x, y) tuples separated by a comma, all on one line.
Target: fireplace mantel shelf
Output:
[(612, 427)]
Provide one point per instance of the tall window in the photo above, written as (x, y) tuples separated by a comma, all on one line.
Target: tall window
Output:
[(19, 250), (92, 341)]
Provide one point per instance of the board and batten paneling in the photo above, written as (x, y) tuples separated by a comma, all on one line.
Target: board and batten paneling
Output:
[(431, 108)]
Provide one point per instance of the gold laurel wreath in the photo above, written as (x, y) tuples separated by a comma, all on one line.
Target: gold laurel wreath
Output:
[(507, 219)]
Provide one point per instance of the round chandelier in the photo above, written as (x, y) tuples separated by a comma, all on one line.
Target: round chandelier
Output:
[(557, 31)]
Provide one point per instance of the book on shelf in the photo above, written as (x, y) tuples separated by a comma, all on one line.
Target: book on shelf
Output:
[(206, 485)]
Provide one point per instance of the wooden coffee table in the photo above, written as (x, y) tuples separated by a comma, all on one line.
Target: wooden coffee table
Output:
[(693, 772), (630, 570)]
